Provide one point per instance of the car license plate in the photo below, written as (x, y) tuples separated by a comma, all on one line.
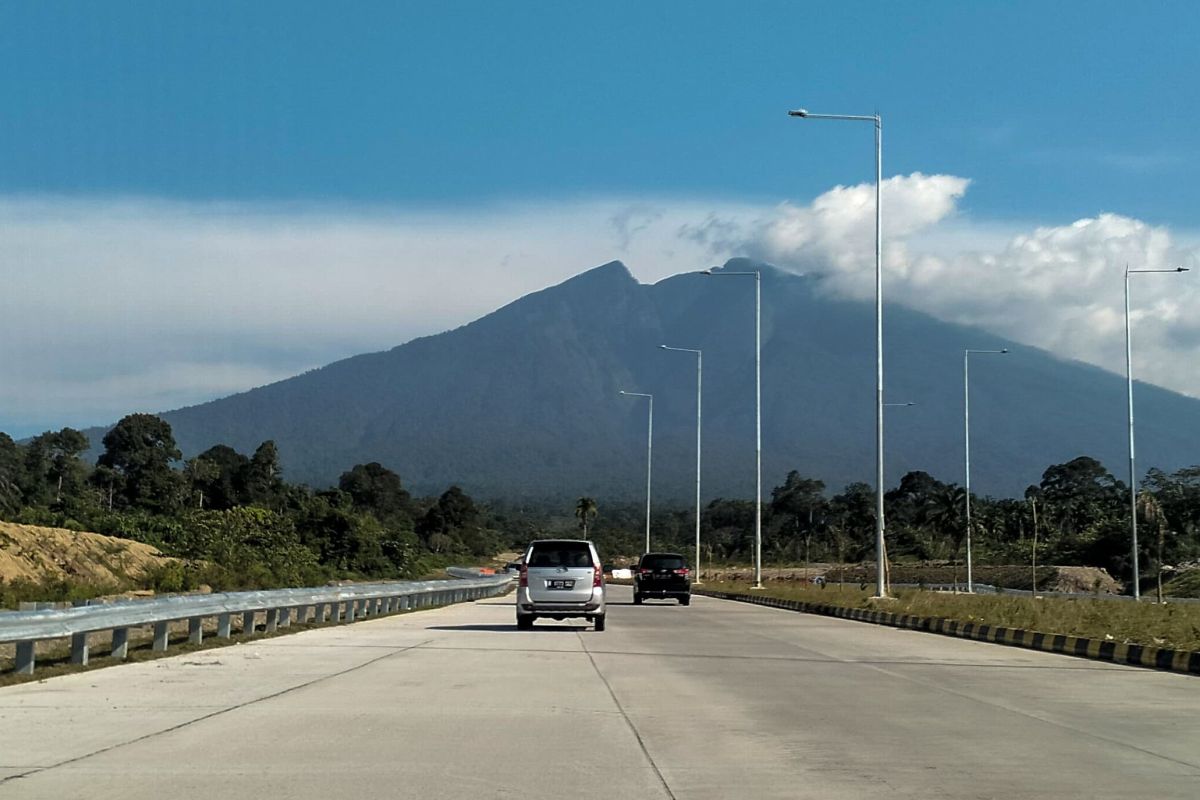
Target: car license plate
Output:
[(560, 584)]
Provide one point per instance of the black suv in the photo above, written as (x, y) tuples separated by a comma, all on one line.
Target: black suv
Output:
[(662, 575)]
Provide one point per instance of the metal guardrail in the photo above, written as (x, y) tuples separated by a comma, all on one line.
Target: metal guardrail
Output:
[(314, 604)]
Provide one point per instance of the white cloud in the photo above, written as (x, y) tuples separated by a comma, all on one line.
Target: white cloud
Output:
[(122, 304), (1056, 287), (129, 304)]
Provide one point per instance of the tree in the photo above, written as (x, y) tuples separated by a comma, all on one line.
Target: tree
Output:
[(945, 513), (224, 483), (854, 511), (795, 505), (375, 488), (12, 474), (907, 511), (53, 461), (585, 510), (202, 473), (452, 516), (261, 480), (141, 448), (1080, 494)]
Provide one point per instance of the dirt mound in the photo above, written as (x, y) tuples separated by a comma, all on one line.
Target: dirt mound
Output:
[(1085, 580), (30, 553)]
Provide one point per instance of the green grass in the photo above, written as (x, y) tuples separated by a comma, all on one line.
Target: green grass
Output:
[(1174, 626), (1185, 585)]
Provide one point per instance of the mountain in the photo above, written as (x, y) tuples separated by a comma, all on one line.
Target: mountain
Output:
[(524, 403)]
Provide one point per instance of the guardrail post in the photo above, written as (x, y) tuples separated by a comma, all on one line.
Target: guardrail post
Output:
[(195, 630), (25, 659), (120, 643), (160, 637), (378, 605), (272, 620), (351, 610), (248, 622), (79, 648), (285, 617), (335, 612), (302, 615), (224, 626)]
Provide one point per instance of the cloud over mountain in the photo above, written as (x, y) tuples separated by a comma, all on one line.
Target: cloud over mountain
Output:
[(114, 305)]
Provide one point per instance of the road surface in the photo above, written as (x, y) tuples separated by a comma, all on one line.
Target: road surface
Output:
[(719, 700)]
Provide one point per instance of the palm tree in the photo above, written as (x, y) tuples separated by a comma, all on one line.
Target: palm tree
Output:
[(944, 513), (585, 510)]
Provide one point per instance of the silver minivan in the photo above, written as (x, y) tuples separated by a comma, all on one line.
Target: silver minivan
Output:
[(561, 578)]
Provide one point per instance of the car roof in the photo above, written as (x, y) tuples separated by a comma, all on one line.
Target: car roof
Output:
[(564, 541), (673, 555)]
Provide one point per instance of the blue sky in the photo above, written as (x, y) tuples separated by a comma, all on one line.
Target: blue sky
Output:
[(198, 198), (1055, 110)]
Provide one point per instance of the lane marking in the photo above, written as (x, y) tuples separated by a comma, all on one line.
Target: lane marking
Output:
[(633, 728), (798, 659)]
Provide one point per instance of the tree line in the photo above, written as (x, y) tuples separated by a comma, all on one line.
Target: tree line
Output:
[(238, 523), (1078, 514), (231, 516)]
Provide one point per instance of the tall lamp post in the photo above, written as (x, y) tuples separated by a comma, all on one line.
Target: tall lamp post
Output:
[(649, 455), (699, 383), (967, 446), (880, 587), (1137, 589), (757, 274)]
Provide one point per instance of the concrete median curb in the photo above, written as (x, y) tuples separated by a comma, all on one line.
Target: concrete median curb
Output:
[(1184, 661)]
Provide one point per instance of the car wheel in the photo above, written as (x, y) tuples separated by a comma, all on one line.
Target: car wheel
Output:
[(685, 601), (524, 622), (599, 623), (637, 599)]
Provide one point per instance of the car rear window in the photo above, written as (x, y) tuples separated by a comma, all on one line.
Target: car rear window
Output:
[(663, 562), (560, 554)]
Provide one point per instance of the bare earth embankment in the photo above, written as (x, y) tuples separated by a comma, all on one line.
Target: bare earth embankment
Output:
[(34, 556)]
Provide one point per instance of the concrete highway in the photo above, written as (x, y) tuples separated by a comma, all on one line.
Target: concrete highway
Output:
[(719, 700)]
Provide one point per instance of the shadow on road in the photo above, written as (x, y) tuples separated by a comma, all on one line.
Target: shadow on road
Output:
[(509, 628)]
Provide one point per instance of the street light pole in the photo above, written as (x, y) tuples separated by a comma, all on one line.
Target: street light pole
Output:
[(1137, 589), (967, 448), (649, 456), (757, 417), (880, 586), (699, 383)]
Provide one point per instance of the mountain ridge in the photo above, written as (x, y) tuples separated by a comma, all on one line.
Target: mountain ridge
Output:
[(523, 402)]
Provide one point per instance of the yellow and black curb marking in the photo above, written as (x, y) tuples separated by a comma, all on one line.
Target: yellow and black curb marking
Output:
[(1137, 655)]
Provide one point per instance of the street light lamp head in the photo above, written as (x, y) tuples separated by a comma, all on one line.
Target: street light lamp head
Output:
[(799, 112), (1182, 269), (1005, 350), (706, 271), (621, 392)]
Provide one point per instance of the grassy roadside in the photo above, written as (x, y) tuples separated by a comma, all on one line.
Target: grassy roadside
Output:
[(1171, 626)]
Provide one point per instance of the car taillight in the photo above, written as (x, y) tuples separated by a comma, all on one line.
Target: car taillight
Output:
[(644, 571), (524, 579), (597, 576), (683, 571)]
